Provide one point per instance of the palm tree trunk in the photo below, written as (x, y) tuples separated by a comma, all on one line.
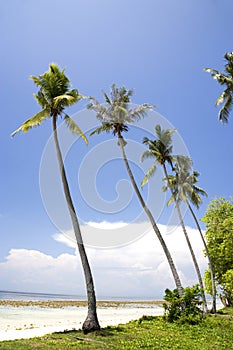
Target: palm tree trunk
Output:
[(91, 323), (150, 216), (187, 240), (213, 310)]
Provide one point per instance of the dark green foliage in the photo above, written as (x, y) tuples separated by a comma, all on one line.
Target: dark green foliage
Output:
[(185, 309), (219, 239)]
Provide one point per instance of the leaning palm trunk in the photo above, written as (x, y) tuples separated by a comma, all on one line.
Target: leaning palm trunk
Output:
[(213, 310), (121, 143), (187, 240), (91, 323)]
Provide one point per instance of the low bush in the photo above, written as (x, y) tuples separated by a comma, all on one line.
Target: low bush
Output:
[(185, 309)]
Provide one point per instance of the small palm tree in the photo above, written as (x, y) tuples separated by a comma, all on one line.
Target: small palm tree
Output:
[(185, 188), (115, 117), (53, 96), (225, 79), (160, 150)]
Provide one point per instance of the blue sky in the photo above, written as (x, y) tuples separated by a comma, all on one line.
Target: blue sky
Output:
[(158, 48)]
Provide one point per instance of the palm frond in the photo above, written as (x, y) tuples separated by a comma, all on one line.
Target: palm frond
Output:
[(227, 80), (199, 190), (120, 112), (221, 98), (67, 99), (105, 127), (107, 99), (147, 155), (183, 162), (149, 173), (195, 199), (40, 97), (35, 120), (145, 140), (164, 188), (74, 128), (224, 112), (102, 112), (138, 112), (93, 103), (164, 136), (220, 77), (210, 70), (36, 80), (171, 200)]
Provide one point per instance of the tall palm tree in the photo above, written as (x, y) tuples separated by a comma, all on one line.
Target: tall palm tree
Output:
[(54, 95), (160, 150), (115, 117), (226, 78), (185, 189)]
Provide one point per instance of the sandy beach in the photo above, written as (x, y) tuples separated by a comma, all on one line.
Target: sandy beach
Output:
[(27, 319)]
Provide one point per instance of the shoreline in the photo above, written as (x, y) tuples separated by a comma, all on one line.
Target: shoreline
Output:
[(27, 319)]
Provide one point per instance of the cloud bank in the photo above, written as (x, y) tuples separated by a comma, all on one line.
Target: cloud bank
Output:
[(136, 270)]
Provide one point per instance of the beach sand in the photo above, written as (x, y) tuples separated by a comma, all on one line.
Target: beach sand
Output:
[(27, 319)]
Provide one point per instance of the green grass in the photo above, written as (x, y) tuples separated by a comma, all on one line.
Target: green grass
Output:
[(214, 333)]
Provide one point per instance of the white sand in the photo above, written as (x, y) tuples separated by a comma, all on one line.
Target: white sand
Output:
[(29, 322)]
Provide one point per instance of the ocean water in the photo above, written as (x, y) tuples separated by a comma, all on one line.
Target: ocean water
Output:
[(10, 295)]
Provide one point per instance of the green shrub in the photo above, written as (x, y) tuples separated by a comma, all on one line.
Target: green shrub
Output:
[(185, 309)]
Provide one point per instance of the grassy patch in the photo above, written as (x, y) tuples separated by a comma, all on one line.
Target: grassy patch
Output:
[(215, 332), (226, 311)]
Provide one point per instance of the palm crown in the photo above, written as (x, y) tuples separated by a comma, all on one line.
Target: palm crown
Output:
[(160, 150), (54, 95), (184, 182), (226, 78), (116, 113)]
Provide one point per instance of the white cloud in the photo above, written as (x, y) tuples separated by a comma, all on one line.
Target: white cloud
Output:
[(139, 269), (31, 270)]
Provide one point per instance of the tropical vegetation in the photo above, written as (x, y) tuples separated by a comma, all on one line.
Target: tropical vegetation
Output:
[(182, 305), (175, 310), (219, 239)]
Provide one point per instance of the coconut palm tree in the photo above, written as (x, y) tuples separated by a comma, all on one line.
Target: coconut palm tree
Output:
[(160, 150), (225, 79), (54, 95), (185, 189), (115, 117)]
